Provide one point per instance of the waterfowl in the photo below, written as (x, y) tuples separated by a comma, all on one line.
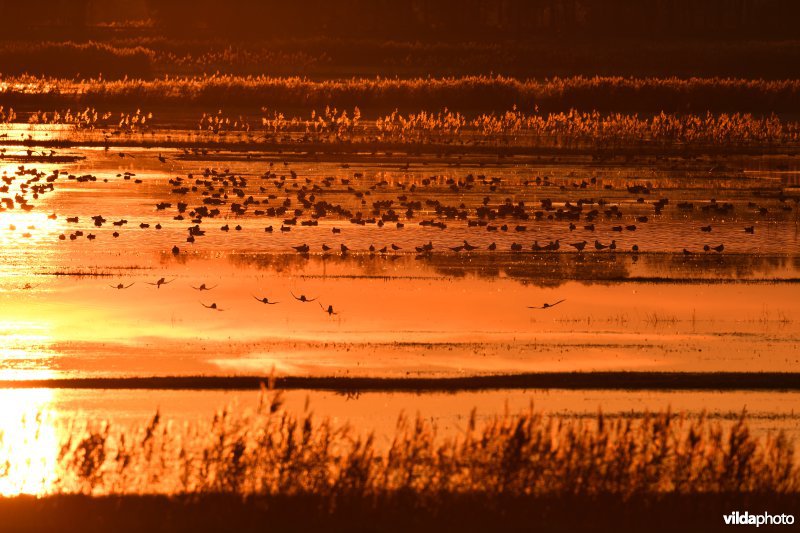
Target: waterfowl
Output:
[(264, 300), (160, 282), (212, 306), (329, 310), (302, 298), (546, 305), (120, 286), (202, 287)]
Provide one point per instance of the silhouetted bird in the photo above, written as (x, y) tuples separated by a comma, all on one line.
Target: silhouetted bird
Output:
[(546, 305), (160, 282), (329, 310)]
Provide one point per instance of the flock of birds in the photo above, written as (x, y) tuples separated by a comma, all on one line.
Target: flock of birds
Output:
[(203, 287), (283, 195), (297, 201)]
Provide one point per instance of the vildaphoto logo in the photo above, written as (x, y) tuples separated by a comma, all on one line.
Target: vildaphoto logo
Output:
[(764, 519)]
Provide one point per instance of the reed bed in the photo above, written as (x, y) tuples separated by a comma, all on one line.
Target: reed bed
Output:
[(468, 93), (573, 129), (270, 452)]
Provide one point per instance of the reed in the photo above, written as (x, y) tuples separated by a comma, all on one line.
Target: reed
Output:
[(530, 455), (466, 93)]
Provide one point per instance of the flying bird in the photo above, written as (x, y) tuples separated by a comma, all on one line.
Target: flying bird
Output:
[(302, 298), (120, 286), (160, 282), (264, 300), (212, 306), (202, 287), (329, 310), (546, 305)]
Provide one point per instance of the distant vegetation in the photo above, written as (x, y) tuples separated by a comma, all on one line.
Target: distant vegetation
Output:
[(149, 56), (464, 94)]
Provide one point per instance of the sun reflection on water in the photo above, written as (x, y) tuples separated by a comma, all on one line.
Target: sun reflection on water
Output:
[(29, 442)]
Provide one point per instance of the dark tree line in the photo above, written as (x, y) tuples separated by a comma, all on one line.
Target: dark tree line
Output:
[(435, 20), (488, 19)]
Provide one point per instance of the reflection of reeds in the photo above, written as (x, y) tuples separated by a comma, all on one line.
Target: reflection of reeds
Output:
[(272, 452)]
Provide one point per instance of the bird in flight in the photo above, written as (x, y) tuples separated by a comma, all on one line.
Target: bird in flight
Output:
[(212, 306), (202, 287), (265, 300), (329, 310), (546, 305), (120, 286), (302, 298), (160, 282)]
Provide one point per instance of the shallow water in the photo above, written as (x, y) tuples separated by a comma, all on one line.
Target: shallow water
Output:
[(401, 312)]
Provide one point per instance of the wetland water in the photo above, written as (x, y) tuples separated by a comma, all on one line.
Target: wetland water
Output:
[(446, 294)]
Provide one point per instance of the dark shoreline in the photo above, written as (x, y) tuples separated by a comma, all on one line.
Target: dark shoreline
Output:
[(711, 381), (399, 512)]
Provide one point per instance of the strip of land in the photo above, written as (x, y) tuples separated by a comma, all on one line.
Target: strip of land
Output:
[(391, 512), (730, 381)]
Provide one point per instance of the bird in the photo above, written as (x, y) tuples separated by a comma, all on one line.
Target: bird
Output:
[(176, 250), (325, 247), (706, 229), (162, 158), (302, 298), (120, 286), (546, 305), (264, 300), (303, 248), (344, 248), (750, 229), (212, 306), (579, 245), (329, 310), (160, 282), (202, 287)]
